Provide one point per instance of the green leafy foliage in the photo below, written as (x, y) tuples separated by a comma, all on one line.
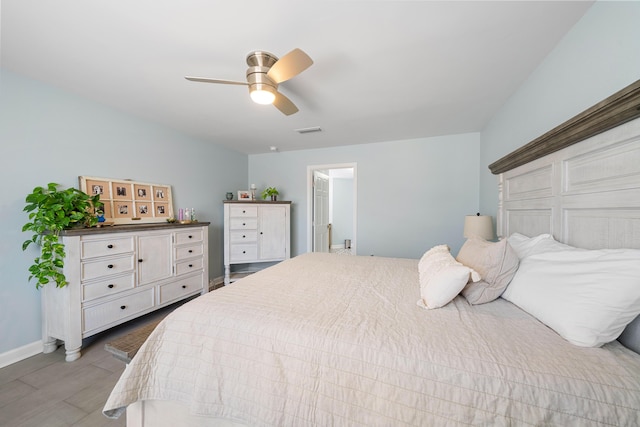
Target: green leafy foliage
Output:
[(269, 191), (51, 211)]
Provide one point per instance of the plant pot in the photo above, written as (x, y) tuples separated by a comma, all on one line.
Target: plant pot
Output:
[(274, 198)]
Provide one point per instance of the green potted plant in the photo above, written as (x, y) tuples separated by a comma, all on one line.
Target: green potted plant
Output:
[(270, 192), (51, 211)]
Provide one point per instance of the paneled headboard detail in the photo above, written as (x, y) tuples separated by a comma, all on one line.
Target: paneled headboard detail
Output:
[(580, 181), (586, 195)]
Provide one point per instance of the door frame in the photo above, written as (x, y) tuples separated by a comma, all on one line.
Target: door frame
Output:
[(310, 169)]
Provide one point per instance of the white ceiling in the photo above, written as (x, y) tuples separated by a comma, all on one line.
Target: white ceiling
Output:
[(383, 71)]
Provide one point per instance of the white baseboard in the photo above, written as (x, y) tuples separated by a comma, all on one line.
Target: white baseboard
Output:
[(20, 353), (340, 246)]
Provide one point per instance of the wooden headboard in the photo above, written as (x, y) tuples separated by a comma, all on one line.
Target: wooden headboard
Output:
[(586, 195), (580, 181)]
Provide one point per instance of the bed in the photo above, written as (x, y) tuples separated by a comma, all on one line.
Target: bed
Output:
[(326, 339)]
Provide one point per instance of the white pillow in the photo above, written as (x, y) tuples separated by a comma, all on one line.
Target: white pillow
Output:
[(441, 277), (527, 246), (586, 296)]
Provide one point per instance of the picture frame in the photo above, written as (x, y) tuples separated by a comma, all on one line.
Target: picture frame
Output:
[(130, 202), (244, 195), (142, 192)]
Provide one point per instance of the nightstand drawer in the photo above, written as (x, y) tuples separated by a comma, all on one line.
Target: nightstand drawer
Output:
[(243, 252), (108, 287), (188, 266), (104, 268), (243, 211), (190, 236), (243, 236), (113, 311), (188, 252), (106, 247), (180, 289)]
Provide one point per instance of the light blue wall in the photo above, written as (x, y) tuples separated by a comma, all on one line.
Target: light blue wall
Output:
[(598, 57), (51, 136), (341, 210), (412, 194)]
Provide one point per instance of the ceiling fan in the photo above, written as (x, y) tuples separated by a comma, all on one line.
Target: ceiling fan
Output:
[(265, 73)]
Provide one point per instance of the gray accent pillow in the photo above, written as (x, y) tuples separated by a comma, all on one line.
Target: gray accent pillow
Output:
[(496, 262), (630, 337)]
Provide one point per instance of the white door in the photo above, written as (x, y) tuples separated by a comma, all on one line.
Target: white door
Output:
[(320, 212)]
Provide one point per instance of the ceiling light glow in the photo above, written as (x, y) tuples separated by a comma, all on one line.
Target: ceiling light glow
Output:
[(263, 97)]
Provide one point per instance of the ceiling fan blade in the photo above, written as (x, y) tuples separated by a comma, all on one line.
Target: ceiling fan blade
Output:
[(284, 104), (208, 80), (290, 65)]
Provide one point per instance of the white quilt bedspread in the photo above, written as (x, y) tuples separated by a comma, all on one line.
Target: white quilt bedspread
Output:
[(326, 340)]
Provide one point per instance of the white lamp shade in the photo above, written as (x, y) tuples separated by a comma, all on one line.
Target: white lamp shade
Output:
[(478, 226)]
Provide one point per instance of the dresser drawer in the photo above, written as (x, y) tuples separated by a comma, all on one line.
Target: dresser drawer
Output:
[(116, 310), (106, 247), (188, 266), (188, 252), (243, 211), (181, 288), (103, 268), (243, 252), (108, 287), (243, 236), (243, 223), (189, 236)]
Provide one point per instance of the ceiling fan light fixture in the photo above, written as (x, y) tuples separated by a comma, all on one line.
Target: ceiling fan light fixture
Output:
[(265, 73), (263, 97)]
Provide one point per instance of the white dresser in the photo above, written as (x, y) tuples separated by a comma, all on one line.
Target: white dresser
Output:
[(255, 232), (118, 273)]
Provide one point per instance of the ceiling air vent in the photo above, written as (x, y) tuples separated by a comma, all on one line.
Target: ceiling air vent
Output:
[(309, 130)]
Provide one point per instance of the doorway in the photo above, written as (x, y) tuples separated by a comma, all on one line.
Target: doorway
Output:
[(331, 208)]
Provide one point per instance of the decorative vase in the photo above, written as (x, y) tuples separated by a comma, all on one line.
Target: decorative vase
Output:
[(274, 198), (229, 196)]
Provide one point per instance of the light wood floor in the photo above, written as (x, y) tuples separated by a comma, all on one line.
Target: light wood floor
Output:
[(46, 391)]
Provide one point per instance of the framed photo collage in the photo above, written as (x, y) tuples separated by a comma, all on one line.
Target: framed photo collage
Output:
[(128, 202)]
